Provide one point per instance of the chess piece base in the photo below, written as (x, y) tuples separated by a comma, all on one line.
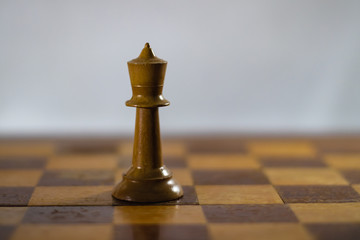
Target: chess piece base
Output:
[(154, 190)]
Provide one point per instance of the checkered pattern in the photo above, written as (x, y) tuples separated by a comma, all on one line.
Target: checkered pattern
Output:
[(234, 189)]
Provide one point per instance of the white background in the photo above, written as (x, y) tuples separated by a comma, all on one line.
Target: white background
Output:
[(270, 66)]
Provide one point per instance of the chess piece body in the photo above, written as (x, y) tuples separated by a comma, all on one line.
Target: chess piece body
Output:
[(148, 179)]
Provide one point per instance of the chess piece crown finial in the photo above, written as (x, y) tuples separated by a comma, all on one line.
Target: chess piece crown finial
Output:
[(147, 56), (147, 52)]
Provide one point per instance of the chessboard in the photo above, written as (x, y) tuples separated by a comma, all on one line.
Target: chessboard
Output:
[(234, 188)]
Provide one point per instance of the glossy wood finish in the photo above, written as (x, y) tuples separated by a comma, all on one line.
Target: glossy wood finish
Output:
[(147, 180)]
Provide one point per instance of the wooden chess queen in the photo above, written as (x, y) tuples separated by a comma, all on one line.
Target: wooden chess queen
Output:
[(148, 179)]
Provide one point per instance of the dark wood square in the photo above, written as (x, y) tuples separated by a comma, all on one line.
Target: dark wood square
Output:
[(318, 194), (161, 232), (189, 198), (15, 196), (77, 178), (229, 177), (56, 215), (220, 146), (124, 161), (248, 213), (335, 231), (6, 232), (175, 162), (22, 162), (347, 145), (352, 176)]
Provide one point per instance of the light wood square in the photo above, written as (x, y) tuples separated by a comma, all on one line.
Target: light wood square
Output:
[(222, 161), (11, 215), (19, 178), (119, 174), (232, 194), (172, 148), (179, 214), (183, 176), (84, 161), (259, 231), (27, 149), (282, 148), (126, 148), (71, 195), (61, 232), (304, 176), (343, 161), (325, 213), (167, 148), (356, 187)]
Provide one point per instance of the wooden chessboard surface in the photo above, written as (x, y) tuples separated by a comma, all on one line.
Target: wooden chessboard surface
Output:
[(235, 188)]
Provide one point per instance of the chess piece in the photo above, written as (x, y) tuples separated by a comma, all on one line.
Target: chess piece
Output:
[(148, 179)]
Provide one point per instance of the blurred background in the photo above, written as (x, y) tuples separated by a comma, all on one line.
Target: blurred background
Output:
[(259, 66)]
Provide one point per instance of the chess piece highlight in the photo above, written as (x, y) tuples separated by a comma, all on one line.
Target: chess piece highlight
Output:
[(148, 179)]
